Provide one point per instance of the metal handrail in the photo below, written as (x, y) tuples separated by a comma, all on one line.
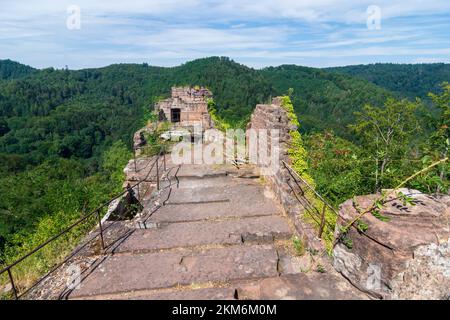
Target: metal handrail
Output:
[(76, 223), (306, 204), (145, 218), (134, 157), (291, 170)]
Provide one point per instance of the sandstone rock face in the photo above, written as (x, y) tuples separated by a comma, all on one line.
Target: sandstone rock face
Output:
[(427, 275), (123, 208), (139, 139), (407, 257)]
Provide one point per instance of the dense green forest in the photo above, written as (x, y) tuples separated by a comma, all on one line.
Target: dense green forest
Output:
[(323, 100), (13, 70), (408, 80), (65, 135)]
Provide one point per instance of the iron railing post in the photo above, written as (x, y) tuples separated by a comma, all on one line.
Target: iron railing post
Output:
[(138, 193), (157, 173), (164, 160), (101, 230), (13, 286), (134, 157), (322, 220)]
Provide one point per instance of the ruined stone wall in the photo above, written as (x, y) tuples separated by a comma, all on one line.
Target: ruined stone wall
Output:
[(273, 116), (192, 104)]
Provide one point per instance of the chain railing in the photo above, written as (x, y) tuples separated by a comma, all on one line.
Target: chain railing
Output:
[(8, 270)]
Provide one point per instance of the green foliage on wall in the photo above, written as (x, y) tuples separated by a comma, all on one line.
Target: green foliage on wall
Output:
[(299, 162), (297, 152)]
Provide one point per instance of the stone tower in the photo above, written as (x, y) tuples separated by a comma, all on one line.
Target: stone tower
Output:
[(187, 107)]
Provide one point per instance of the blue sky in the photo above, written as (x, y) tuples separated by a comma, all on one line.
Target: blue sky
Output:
[(316, 33)]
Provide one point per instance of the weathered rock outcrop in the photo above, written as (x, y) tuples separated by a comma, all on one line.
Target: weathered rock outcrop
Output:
[(139, 139), (407, 257), (124, 208)]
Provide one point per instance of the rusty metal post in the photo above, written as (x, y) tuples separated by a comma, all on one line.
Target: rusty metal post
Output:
[(164, 159), (101, 229), (134, 157), (322, 220), (138, 192), (13, 286), (157, 172)]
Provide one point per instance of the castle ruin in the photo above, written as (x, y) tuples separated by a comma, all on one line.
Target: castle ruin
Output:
[(187, 107)]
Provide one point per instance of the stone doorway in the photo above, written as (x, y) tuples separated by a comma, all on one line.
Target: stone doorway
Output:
[(175, 115)]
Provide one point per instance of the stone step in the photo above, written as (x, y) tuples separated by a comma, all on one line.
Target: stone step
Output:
[(126, 273), (215, 181), (250, 191), (203, 170), (173, 294), (189, 234), (302, 286), (213, 193), (258, 203)]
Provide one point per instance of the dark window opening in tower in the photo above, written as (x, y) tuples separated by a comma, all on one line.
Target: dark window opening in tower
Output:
[(175, 115)]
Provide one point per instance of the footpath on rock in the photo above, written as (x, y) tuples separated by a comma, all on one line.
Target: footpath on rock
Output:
[(220, 234)]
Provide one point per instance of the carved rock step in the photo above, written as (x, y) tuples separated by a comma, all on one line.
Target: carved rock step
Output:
[(173, 294), (216, 181), (187, 234), (125, 273), (256, 203), (199, 199), (302, 286), (205, 170), (217, 193)]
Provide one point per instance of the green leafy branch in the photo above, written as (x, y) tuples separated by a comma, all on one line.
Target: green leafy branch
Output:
[(378, 204)]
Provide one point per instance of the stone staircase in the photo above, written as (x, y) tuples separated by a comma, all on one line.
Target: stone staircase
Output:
[(220, 235)]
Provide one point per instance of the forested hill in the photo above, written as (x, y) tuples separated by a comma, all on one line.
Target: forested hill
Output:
[(409, 80), (71, 113), (63, 134), (324, 100), (13, 70), (75, 113), (321, 99)]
